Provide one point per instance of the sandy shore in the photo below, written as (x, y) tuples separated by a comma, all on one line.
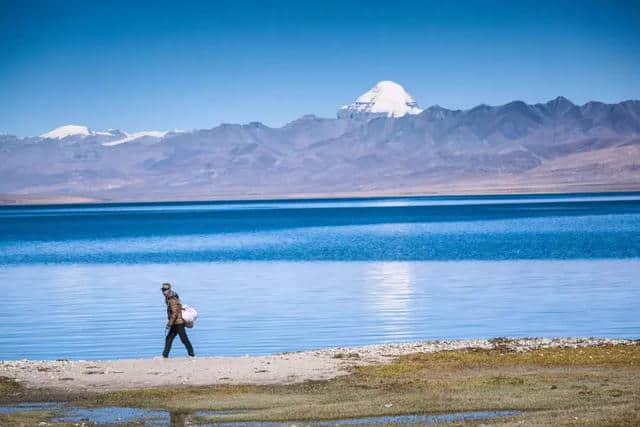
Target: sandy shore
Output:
[(286, 368)]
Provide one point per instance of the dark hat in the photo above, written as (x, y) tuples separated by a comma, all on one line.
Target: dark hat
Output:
[(166, 286)]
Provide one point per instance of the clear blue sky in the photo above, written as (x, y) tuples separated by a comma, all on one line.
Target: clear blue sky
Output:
[(169, 64)]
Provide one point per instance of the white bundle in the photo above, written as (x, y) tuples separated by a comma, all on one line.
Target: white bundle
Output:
[(189, 315)]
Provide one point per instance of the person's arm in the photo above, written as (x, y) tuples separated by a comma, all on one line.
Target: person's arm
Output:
[(173, 308)]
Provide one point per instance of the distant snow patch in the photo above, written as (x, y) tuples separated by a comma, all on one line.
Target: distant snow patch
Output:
[(136, 135)]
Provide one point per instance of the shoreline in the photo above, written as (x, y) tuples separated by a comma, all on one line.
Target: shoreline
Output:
[(532, 381), (452, 191), (276, 369)]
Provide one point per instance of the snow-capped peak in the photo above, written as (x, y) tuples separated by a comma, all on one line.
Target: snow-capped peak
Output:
[(112, 136), (385, 98), (68, 130), (136, 135)]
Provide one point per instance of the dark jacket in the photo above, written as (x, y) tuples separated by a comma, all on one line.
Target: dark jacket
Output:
[(174, 311)]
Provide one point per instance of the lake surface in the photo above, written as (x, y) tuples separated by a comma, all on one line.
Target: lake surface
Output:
[(83, 281)]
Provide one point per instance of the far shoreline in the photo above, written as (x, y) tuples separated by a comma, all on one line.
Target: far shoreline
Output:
[(8, 200)]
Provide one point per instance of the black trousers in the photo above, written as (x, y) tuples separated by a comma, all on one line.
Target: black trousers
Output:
[(177, 330)]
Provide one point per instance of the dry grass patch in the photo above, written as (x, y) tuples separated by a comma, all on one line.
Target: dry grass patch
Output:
[(23, 419), (611, 356), (10, 390)]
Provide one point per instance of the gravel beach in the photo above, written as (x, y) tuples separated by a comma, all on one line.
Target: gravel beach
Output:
[(285, 368)]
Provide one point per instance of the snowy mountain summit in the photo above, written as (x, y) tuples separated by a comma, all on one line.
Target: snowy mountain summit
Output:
[(386, 98), (66, 131)]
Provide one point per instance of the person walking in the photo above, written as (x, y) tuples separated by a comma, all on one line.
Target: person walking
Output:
[(175, 323)]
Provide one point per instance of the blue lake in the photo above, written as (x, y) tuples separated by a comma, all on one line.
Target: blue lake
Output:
[(82, 282)]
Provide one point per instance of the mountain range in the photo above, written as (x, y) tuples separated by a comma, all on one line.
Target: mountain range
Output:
[(381, 144)]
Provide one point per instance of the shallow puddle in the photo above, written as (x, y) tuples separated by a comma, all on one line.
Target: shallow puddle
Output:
[(385, 420), (153, 417), (113, 415), (101, 415)]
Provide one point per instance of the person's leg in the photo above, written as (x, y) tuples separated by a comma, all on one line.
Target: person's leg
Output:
[(167, 342), (185, 339)]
